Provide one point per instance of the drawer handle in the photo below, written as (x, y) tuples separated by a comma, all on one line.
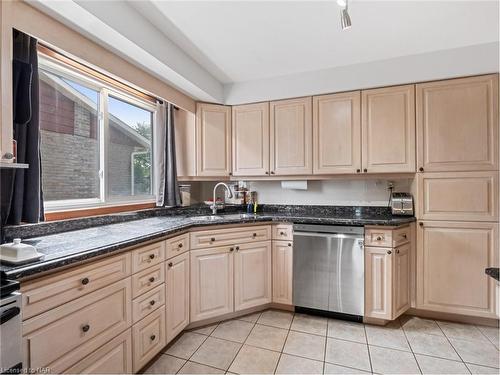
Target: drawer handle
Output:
[(282, 233), (152, 302), (180, 245), (237, 248), (152, 337), (289, 244), (389, 252), (85, 328), (404, 235), (151, 279), (212, 239), (170, 264), (231, 249), (254, 235), (85, 281), (379, 238), (151, 256)]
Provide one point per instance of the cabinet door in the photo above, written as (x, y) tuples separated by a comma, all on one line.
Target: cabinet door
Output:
[(401, 277), (282, 272), (252, 275), (291, 136), (185, 143), (211, 283), (457, 124), (378, 282), (177, 295), (337, 133), (451, 258), (251, 139), (388, 129), (213, 140)]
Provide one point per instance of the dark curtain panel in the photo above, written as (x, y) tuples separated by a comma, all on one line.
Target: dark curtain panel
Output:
[(171, 195), (25, 203)]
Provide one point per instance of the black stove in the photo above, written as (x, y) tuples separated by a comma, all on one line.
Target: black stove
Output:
[(8, 286)]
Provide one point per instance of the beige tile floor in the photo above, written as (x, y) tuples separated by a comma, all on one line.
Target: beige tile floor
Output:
[(279, 342)]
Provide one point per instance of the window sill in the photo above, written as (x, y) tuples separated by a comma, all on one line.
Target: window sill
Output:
[(96, 211)]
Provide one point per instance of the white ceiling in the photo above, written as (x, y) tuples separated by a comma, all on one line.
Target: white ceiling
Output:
[(256, 39), (236, 51)]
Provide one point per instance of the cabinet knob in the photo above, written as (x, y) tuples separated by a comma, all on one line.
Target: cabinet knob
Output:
[(151, 256), (231, 249), (421, 169), (358, 170), (152, 302), (180, 245), (397, 251), (85, 328), (272, 172), (152, 337), (267, 172), (282, 233), (230, 173), (379, 238), (365, 170), (421, 224), (212, 239), (389, 252), (237, 248), (8, 155), (254, 235), (289, 244), (404, 235), (170, 264), (151, 279), (85, 281)]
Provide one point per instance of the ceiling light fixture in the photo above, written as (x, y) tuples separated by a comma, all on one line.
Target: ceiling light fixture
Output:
[(345, 19)]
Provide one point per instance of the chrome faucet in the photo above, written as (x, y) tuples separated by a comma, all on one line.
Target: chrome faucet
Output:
[(229, 195)]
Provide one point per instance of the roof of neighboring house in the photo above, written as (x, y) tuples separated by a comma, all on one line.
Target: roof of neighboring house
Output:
[(75, 95)]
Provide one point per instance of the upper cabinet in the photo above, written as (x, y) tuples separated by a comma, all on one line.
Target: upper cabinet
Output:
[(250, 132), (185, 142), (337, 133), (213, 140), (388, 129), (457, 124), (291, 136)]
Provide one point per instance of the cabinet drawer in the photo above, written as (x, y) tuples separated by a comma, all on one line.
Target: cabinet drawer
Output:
[(378, 237), (401, 236), (177, 245), (147, 256), (148, 338), (55, 290), (283, 232), (115, 357), (458, 196), (77, 328), (145, 304), (148, 279), (230, 236)]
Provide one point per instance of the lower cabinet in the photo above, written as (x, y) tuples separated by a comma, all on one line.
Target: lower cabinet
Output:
[(451, 258), (177, 271), (282, 272), (115, 357), (148, 338), (252, 275), (387, 281), (211, 282)]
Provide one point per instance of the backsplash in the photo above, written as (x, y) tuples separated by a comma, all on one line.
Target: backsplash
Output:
[(337, 192)]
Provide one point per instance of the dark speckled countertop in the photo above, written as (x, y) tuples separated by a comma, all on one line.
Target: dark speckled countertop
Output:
[(76, 246)]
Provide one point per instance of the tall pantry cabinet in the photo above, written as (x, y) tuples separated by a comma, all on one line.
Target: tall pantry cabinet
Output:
[(457, 195)]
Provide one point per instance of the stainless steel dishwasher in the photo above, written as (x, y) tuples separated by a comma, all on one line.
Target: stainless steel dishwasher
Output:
[(328, 268)]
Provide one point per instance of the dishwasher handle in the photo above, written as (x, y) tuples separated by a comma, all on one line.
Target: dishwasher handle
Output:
[(327, 235)]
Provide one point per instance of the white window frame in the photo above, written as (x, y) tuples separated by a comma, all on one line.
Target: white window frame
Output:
[(105, 90)]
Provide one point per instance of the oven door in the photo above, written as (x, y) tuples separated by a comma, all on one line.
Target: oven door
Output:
[(10, 337)]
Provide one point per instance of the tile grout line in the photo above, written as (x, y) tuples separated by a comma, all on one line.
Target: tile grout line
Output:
[(243, 343), (411, 348), (368, 348), (453, 346), (284, 343), (191, 356), (326, 344)]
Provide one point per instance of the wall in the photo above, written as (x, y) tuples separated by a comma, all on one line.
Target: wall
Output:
[(336, 192)]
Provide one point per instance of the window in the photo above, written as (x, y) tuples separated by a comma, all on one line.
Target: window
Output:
[(96, 141)]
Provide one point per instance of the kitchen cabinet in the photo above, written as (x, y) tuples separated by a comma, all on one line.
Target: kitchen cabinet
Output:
[(212, 282), (250, 133), (457, 124), (252, 275), (388, 129), (185, 143), (213, 140), (337, 133), (387, 273), (177, 282), (291, 137), (451, 258), (464, 196), (148, 338), (282, 272)]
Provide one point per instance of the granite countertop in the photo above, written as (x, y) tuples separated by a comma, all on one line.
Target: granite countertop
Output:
[(72, 247), (493, 272)]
